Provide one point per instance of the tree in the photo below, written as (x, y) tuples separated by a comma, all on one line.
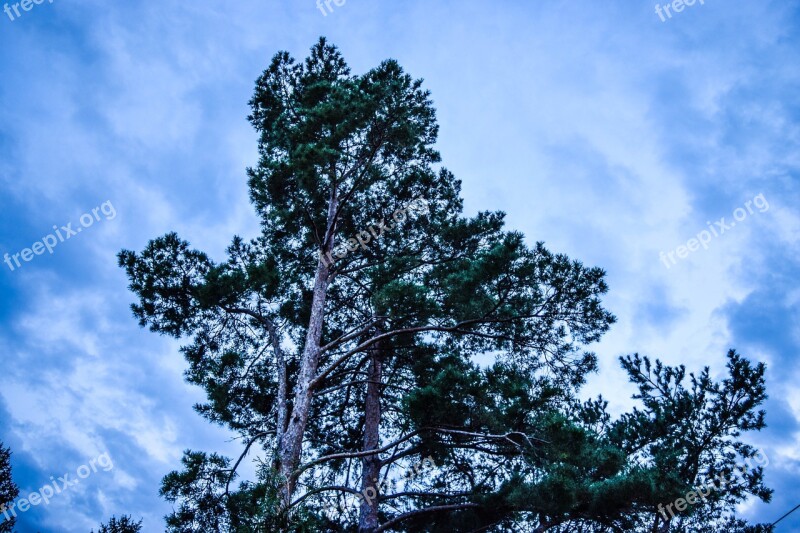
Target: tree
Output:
[(8, 490), (125, 524), (340, 343), (685, 441)]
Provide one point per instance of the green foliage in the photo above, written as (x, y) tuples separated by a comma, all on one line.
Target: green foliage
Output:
[(124, 524), (8, 490), (514, 449), (208, 502)]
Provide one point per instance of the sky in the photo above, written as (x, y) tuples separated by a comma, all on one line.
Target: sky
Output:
[(610, 132)]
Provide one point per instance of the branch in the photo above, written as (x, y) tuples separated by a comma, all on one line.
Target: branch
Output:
[(430, 494), (435, 509), (490, 436), (349, 455), (420, 329), (280, 361), (350, 336), (324, 489), (241, 457)]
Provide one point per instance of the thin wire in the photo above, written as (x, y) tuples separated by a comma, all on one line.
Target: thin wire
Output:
[(787, 514)]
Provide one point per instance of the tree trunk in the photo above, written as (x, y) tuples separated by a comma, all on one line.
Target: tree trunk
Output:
[(371, 464), (292, 444), (280, 360)]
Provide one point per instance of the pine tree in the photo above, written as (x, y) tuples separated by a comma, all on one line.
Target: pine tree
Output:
[(8, 490), (124, 524), (340, 343)]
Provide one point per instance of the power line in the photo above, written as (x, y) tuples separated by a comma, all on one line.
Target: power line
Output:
[(787, 514)]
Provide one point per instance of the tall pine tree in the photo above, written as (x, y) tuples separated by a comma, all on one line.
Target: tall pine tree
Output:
[(340, 343)]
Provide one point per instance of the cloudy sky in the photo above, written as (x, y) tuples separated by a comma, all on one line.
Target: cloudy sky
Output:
[(597, 127)]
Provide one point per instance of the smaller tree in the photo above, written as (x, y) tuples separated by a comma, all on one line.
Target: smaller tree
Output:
[(8, 490), (124, 525), (684, 443)]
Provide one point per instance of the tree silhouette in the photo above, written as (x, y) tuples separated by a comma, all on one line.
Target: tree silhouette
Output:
[(8, 491), (341, 345), (124, 524)]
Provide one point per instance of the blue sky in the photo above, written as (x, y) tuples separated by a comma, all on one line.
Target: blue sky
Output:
[(601, 130)]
